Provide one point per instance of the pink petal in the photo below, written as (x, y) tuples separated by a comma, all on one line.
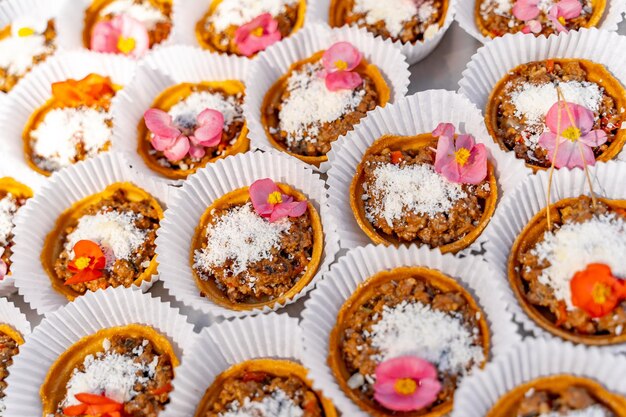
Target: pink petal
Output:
[(197, 152), (291, 209), (211, 125), (547, 140), (569, 9), (464, 141), (526, 9), (259, 193), (594, 138), (567, 155), (445, 152), (248, 43), (341, 52), (475, 170), (583, 117), (178, 150), (104, 37), (405, 367), (451, 171), (554, 15), (425, 395), (3, 269), (134, 29), (532, 26), (161, 144), (343, 80), (160, 123), (444, 129)]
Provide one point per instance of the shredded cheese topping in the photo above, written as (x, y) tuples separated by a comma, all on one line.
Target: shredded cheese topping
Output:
[(8, 208), (394, 13), (239, 12), (278, 404), (185, 112), (143, 12), (17, 52)]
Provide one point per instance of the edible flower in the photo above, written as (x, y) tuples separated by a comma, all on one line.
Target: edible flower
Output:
[(571, 131), (176, 138), (257, 35), (88, 262), (532, 26), (339, 62), (270, 202), (563, 11), (28, 26), (120, 35), (406, 383), (526, 9), (559, 13), (461, 160), (91, 90), (94, 405), (596, 291)]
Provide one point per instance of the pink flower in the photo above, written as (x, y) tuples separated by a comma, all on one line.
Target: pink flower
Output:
[(257, 35), (532, 26), (339, 62), (563, 11), (176, 141), (269, 201), (406, 383), (576, 140), (120, 35), (526, 9), (461, 160)]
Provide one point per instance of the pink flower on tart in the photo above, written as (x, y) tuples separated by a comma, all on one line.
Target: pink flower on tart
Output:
[(571, 127), (339, 62), (532, 26), (526, 9), (459, 160), (176, 141), (563, 11), (120, 35), (406, 383), (270, 202), (257, 35)]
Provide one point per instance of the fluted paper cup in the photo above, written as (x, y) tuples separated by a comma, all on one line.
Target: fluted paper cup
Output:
[(93, 312), (413, 115), (276, 60), (11, 315), (518, 208), (208, 184), (319, 12), (42, 211), (531, 360), (320, 313)]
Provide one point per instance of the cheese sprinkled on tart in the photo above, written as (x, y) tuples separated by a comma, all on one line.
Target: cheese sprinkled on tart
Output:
[(278, 404), (144, 12), (239, 12), (186, 111), (17, 52), (8, 208), (394, 13)]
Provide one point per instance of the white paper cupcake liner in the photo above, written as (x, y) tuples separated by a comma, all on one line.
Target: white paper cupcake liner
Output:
[(416, 114), (535, 359), (35, 89), (208, 184), (519, 207), (226, 344), (465, 17), (42, 211), (318, 11), (85, 316), (164, 68), (11, 315), (276, 60), (320, 313)]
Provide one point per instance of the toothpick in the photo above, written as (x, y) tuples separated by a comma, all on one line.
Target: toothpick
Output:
[(559, 96)]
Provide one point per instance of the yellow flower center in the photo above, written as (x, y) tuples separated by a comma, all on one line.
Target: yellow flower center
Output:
[(600, 293), (405, 386), (82, 262), (461, 156), (126, 45), (275, 198), (258, 32), (572, 133), (341, 65), (24, 32), (562, 20)]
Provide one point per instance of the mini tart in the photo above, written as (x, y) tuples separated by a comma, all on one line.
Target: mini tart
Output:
[(54, 388), (175, 94), (412, 143), (54, 243), (239, 197), (370, 289), (273, 100), (255, 369), (213, 40), (340, 13), (158, 34), (595, 73), (598, 6), (20, 192), (8, 350), (557, 385), (527, 239)]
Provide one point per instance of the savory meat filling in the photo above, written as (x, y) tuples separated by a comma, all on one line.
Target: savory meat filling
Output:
[(8, 349), (9, 204), (575, 401)]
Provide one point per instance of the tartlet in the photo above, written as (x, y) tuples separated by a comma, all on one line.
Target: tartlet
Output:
[(366, 333), (311, 140), (10, 341), (190, 99), (263, 274), (466, 208), (258, 383), (518, 104), (122, 220), (13, 195), (103, 363)]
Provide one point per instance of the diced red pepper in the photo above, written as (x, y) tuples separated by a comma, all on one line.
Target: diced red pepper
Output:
[(396, 157), (561, 316), (550, 66), (254, 376), (161, 390)]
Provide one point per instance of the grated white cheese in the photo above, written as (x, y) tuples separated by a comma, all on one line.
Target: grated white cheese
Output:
[(239, 12), (593, 411), (185, 112), (17, 52), (602, 239), (311, 104), (144, 12), (278, 404), (240, 236), (499, 7), (415, 188), (394, 13), (8, 208), (63, 130)]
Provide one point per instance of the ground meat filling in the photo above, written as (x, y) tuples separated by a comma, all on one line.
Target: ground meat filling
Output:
[(9, 204), (537, 403), (124, 272), (497, 17), (435, 228), (255, 392), (541, 295), (8, 349), (271, 271), (356, 344), (518, 133), (154, 375)]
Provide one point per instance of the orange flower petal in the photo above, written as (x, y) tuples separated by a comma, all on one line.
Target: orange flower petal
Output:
[(84, 276), (93, 399), (75, 410), (596, 291)]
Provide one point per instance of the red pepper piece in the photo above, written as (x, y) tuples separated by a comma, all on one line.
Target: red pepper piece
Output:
[(396, 157)]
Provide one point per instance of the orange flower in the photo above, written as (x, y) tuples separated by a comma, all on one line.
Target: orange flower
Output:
[(94, 405), (88, 262), (596, 291), (91, 90)]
